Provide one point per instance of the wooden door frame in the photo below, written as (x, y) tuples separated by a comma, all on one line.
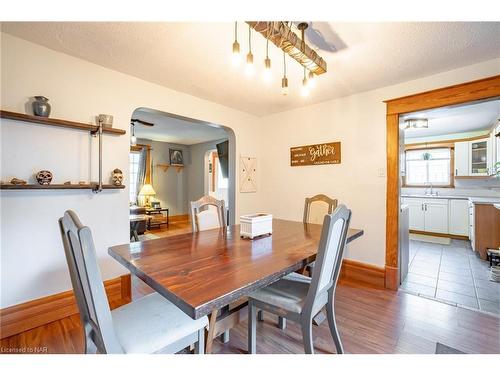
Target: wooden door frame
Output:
[(457, 94)]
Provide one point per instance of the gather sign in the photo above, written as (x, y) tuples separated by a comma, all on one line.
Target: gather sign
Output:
[(322, 153)]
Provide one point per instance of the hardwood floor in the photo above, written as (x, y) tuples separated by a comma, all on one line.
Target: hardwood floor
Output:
[(370, 321)]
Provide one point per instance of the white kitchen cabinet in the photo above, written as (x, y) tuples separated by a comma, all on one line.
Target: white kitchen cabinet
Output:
[(416, 213), (428, 215), (461, 159), (436, 215), (478, 157), (458, 222)]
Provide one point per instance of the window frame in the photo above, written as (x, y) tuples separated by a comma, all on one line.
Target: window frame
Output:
[(427, 148)]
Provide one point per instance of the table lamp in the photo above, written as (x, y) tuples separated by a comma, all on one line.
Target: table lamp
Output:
[(147, 191)]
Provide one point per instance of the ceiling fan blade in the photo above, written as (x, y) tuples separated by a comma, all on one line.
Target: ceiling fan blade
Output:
[(142, 122)]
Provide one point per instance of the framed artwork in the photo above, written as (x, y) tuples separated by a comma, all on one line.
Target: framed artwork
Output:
[(176, 157)]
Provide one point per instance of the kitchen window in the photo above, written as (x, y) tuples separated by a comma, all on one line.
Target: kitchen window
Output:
[(429, 167), (134, 158)]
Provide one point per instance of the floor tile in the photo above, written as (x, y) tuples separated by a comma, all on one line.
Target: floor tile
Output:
[(421, 279), (456, 270), (461, 279), (423, 290), (488, 294), (457, 298), (482, 274), (451, 286), (429, 265), (492, 307), (424, 271), (488, 284)]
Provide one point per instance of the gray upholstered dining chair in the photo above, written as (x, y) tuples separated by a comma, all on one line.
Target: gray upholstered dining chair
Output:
[(148, 325), (300, 298), (204, 217)]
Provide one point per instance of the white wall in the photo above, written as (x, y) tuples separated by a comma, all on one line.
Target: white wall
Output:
[(32, 258), (358, 121)]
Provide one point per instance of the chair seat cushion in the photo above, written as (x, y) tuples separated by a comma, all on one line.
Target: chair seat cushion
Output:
[(152, 323), (289, 293)]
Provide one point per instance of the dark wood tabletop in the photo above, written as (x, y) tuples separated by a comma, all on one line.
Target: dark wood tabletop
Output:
[(203, 271)]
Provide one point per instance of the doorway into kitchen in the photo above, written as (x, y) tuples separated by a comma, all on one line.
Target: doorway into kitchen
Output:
[(169, 169), (450, 190)]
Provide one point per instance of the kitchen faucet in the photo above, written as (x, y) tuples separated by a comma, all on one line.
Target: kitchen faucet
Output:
[(427, 190)]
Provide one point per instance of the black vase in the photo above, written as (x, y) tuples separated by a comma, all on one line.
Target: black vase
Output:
[(41, 106)]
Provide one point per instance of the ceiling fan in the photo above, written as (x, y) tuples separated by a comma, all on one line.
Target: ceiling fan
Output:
[(142, 122)]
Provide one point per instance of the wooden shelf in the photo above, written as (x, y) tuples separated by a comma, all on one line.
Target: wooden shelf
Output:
[(57, 122), (166, 166), (470, 177), (57, 187)]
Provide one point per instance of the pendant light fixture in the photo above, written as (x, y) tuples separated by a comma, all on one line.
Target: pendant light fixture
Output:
[(133, 139), (416, 123), (304, 90), (311, 81), (236, 58), (267, 64), (284, 80), (249, 68)]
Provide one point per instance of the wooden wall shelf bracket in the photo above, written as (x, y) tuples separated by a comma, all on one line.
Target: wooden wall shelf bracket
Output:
[(166, 166)]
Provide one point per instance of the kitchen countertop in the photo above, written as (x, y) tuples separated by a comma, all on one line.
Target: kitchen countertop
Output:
[(475, 200)]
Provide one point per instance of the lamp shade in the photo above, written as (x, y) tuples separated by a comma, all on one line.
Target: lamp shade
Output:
[(147, 190)]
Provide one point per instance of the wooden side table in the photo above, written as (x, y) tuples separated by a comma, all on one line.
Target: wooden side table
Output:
[(156, 215)]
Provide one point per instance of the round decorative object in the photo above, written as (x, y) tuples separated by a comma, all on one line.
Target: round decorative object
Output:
[(44, 177), (41, 106), (17, 181), (117, 177)]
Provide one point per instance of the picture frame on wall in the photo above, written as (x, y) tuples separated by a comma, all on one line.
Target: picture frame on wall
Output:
[(176, 156)]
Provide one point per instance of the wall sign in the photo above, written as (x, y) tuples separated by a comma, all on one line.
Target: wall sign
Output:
[(323, 153), (248, 174)]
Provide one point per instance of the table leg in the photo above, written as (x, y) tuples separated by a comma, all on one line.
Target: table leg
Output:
[(211, 331)]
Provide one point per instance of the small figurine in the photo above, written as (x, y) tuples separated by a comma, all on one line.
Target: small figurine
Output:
[(117, 177), (67, 183), (44, 177), (82, 183), (17, 181)]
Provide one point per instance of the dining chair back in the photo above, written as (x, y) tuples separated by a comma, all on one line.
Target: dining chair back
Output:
[(207, 213), (95, 314), (320, 202), (301, 298)]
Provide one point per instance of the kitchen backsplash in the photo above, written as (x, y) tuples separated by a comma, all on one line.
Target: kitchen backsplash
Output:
[(472, 188)]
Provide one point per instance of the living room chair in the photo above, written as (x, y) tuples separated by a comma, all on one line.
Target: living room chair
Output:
[(148, 325), (300, 298)]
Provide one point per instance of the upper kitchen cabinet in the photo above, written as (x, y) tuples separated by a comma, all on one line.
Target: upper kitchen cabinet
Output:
[(474, 158)]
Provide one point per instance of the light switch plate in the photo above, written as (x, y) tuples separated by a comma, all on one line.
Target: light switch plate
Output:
[(381, 172)]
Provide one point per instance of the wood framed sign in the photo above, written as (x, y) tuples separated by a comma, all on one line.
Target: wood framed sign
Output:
[(322, 153)]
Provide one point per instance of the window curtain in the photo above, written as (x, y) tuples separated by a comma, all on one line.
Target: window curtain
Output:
[(141, 173)]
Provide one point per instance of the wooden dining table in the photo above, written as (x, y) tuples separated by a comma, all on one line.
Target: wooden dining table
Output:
[(204, 272)]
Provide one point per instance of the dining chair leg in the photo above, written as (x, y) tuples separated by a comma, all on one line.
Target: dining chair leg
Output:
[(281, 322), (211, 331), (225, 336), (199, 346), (330, 313), (260, 316), (252, 328), (307, 336)]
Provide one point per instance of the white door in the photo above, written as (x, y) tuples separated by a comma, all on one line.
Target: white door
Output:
[(416, 213), (459, 217), (461, 158), (436, 216)]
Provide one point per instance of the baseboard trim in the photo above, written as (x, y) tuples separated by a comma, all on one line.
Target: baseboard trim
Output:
[(175, 218), (35, 313), (445, 235), (362, 273)]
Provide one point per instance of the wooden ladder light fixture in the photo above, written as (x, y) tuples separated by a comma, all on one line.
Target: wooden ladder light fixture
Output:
[(282, 36)]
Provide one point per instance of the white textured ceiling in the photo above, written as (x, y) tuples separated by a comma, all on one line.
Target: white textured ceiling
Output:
[(195, 57), (174, 130), (458, 119)]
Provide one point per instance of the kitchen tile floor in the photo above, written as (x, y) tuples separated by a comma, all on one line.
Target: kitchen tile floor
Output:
[(451, 273)]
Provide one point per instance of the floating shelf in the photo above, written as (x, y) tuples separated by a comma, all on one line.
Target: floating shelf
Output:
[(57, 122), (166, 166), (57, 187)]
